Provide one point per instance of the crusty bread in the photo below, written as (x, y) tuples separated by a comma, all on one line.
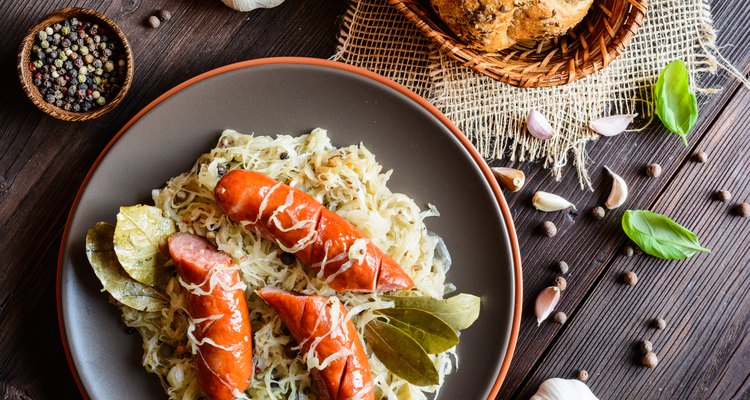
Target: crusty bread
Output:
[(493, 25)]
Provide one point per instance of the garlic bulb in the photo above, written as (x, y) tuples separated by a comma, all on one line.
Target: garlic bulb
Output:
[(563, 389), (549, 202), (619, 192), (249, 5)]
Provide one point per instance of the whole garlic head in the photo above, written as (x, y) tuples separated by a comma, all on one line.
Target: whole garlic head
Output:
[(249, 5), (563, 389)]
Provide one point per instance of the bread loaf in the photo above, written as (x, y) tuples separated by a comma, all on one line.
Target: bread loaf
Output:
[(493, 25)]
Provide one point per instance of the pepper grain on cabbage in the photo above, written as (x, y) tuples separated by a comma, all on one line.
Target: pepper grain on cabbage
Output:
[(346, 180)]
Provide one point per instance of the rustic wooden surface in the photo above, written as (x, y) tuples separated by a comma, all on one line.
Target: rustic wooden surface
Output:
[(704, 351)]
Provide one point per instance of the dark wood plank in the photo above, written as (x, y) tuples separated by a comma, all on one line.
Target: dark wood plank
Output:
[(43, 161), (588, 245), (705, 350)]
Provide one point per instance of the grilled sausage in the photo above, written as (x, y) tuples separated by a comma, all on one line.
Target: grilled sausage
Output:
[(217, 305), (310, 318), (320, 238)]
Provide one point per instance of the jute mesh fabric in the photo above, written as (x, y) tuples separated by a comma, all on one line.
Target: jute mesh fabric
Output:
[(491, 114)]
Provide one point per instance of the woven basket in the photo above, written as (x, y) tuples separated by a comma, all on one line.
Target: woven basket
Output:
[(585, 49)]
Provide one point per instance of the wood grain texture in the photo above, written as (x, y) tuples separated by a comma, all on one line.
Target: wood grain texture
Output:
[(704, 351), (43, 161), (587, 245)]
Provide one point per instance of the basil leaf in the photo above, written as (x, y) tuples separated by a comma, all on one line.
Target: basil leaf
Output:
[(126, 290), (460, 311), (401, 354), (140, 235), (676, 104), (659, 236), (432, 333)]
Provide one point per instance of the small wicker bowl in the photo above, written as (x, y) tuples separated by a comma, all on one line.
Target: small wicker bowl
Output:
[(588, 47), (26, 76)]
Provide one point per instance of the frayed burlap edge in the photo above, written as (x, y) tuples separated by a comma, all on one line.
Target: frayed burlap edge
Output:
[(491, 114)]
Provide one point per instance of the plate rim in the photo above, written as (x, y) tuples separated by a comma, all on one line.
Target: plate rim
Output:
[(478, 159)]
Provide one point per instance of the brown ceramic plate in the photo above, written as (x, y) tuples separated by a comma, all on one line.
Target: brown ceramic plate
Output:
[(432, 162)]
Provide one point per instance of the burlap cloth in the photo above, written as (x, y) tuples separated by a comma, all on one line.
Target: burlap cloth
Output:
[(491, 114)]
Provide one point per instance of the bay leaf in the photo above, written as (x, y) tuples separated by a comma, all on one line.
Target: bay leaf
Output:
[(432, 333), (401, 354), (460, 311), (140, 236), (101, 254)]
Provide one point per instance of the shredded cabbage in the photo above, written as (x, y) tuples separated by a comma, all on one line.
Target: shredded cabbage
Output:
[(346, 180)]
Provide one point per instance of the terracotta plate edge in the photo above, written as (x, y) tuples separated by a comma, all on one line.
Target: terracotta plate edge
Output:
[(518, 281)]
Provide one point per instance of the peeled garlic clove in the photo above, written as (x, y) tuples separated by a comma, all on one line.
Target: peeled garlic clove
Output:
[(546, 302), (538, 125), (548, 202), (249, 5), (612, 125), (619, 192), (563, 389), (513, 179)]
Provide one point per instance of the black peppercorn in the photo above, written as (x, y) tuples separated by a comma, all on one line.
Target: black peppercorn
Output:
[(743, 210), (700, 157), (659, 323), (630, 278), (560, 317), (165, 15), (153, 21), (583, 375), (68, 52), (548, 229), (650, 360), (287, 258)]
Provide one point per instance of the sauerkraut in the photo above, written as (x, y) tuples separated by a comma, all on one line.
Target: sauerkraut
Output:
[(346, 180)]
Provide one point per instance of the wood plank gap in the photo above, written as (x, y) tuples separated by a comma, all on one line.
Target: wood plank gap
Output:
[(624, 242)]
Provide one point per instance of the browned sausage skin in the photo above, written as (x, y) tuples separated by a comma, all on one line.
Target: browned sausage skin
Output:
[(217, 305), (320, 238), (320, 325)]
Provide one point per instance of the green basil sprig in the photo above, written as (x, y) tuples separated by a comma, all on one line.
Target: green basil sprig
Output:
[(659, 236), (676, 104)]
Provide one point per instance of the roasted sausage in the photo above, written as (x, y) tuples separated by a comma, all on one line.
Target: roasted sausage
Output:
[(217, 305), (343, 257), (320, 325)]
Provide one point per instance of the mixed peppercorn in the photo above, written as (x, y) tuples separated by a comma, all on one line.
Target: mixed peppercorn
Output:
[(77, 65)]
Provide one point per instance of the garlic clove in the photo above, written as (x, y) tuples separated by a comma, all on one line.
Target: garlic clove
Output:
[(546, 302), (619, 192), (612, 125), (513, 179), (549, 202), (563, 389), (538, 125), (249, 5)]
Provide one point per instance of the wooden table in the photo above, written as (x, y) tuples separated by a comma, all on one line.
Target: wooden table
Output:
[(704, 351)]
